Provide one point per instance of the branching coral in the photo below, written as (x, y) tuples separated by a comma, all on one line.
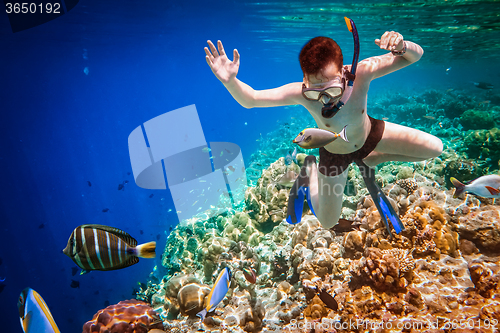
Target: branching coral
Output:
[(385, 269)]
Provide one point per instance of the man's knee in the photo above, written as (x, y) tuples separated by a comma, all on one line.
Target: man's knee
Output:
[(436, 147)]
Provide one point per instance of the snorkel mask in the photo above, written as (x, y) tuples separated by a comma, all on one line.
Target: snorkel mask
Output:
[(330, 92), (337, 93)]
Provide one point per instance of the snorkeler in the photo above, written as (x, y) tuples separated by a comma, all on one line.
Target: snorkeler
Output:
[(336, 95)]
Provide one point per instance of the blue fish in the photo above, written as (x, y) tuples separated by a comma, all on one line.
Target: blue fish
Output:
[(218, 292), (34, 314)]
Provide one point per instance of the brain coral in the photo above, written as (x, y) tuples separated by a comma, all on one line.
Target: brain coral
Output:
[(130, 316)]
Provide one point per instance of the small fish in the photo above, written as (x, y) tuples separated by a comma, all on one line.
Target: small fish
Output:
[(194, 203), (484, 103), (106, 303), (250, 275), (89, 183), (455, 139), (158, 237), (41, 226), (206, 150), (264, 154), (429, 117), (485, 186), (103, 248), (105, 210), (34, 314), (141, 232), (385, 118), (121, 187), (151, 195), (328, 300), (448, 69), (218, 292), (231, 168), (96, 292), (288, 178), (344, 225), (449, 90), (227, 151), (74, 270), (311, 138), (483, 85), (221, 153), (74, 284)]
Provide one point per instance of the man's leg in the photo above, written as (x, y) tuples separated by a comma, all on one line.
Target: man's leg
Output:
[(401, 143), (327, 194)]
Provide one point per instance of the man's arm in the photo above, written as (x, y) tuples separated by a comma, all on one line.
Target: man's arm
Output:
[(226, 70), (376, 67), (288, 94)]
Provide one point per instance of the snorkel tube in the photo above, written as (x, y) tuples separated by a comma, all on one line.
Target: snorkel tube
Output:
[(329, 110)]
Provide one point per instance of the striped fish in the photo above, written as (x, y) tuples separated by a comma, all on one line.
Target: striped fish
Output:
[(34, 314), (218, 292), (103, 248)]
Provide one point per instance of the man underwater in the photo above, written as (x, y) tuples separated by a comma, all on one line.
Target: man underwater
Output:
[(336, 95)]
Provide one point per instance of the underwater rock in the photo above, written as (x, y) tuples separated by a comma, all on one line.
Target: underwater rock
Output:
[(486, 277), (191, 298), (480, 226), (168, 298), (126, 316)]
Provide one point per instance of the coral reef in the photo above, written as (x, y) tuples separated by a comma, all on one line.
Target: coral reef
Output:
[(484, 145), (442, 269), (476, 119), (267, 201), (131, 316)]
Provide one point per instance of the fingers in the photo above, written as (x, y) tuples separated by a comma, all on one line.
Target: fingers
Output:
[(390, 40), (236, 57), (209, 62), (215, 54), (221, 48), (210, 57)]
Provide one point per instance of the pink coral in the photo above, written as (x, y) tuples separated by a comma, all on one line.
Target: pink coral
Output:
[(130, 316)]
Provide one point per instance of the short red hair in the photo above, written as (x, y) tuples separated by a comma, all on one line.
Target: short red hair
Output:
[(318, 53)]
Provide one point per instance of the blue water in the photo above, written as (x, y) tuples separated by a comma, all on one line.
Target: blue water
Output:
[(62, 128)]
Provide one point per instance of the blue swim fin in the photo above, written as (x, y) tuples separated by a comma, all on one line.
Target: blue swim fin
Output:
[(300, 192), (382, 203)]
